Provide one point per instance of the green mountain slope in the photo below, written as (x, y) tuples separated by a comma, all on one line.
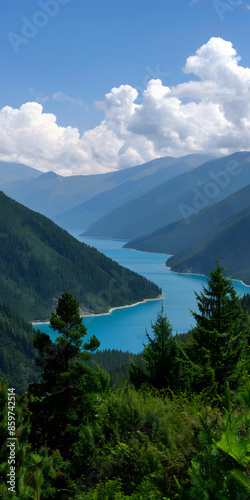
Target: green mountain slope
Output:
[(176, 199), (17, 354), (179, 235), (230, 244), (39, 261)]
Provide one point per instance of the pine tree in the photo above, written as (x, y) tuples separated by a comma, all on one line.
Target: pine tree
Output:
[(220, 336), (160, 356), (66, 394)]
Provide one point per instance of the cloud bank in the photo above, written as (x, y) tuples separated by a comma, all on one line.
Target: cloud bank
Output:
[(208, 114)]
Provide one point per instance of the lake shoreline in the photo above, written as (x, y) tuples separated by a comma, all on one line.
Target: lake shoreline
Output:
[(160, 297), (203, 275), (125, 328), (177, 272)]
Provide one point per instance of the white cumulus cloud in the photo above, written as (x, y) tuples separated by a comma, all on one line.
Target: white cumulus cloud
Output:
[(209, 113)]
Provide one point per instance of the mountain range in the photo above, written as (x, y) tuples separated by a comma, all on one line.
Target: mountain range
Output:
[(130, 184), (220, 231), (75, 202), (177, 199), (14, 172), (229, 243), (174, 237), (188, 207)]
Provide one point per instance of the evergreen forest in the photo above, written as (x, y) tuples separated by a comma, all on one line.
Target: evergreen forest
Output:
[(170, 423)]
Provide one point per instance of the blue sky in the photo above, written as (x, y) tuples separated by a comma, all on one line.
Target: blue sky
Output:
[(72, 57)]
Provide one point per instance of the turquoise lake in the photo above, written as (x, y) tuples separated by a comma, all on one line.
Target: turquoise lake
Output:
[(125, 328)]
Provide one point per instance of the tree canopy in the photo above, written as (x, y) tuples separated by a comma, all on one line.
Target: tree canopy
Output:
[(68, 382), (221, 333), (160, 357)]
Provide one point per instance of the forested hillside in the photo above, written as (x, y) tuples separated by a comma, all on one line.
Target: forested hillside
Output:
[(116, 363), (180, 235), (17, 354), (39, 261), (230, 243)]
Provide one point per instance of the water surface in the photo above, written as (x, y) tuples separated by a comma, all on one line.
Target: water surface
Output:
[(125, 328)]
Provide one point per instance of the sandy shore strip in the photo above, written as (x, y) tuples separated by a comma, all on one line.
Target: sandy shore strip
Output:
[(40, 322), (160, 297)]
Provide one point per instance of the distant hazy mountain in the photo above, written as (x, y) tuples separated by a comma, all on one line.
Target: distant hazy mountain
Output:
[(12, 172), (39, 261), (51, 194), (129, 184), (230, 244), (176, 199), (76, 201), (180, 235)]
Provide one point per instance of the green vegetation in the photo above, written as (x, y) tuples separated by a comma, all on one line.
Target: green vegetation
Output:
[(40, 261), (245, 302), (179, 429), (116, 363), (63, 401), (17, 353), (160, 356), (220, 339)]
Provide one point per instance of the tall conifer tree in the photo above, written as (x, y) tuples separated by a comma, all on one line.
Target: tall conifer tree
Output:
[(220, 336), (69, 384), (160, 356)]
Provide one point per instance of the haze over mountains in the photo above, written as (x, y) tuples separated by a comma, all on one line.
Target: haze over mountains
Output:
[(13, 172), (50, 194), (176, 236), (129, 185), (75, 202), (188, 207), (176, 199)]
